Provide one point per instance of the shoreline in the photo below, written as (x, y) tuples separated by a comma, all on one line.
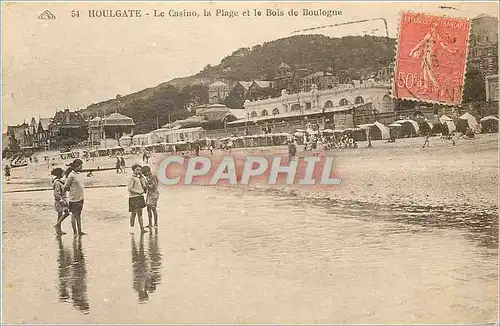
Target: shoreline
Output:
[(401, 174)]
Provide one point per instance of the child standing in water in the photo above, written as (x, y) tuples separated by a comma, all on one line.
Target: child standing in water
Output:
[(60, 200), (152, 195), (74, 184), (136, 189)]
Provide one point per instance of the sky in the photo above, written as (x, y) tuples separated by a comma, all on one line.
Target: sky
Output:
[(72, 62)]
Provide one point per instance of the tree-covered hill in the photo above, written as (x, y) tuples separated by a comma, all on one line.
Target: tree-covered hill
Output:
[(348, 57)]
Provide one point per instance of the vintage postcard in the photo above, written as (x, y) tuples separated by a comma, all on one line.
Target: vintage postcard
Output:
[(250, 162)]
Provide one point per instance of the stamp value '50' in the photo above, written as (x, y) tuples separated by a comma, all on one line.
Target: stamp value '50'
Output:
[(431, 58)]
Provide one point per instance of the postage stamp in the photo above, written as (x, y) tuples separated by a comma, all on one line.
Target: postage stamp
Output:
[(431, 58)]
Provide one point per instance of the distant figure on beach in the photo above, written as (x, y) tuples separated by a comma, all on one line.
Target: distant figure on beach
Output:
[(369, 141), (229, 145), (61, 204), (122, 164), (292, 149), (211, 150), (145, 157), (118, 165), (136, 189), (74, 183), (152, 195), (7, 172), (426, 142)]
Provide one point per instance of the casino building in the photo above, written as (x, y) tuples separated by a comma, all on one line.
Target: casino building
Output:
[(338, 104)]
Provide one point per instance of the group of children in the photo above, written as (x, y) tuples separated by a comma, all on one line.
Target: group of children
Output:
[(143, 182), (68, 196)]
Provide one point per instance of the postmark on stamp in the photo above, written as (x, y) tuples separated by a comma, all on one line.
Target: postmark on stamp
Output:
[(431, 58)]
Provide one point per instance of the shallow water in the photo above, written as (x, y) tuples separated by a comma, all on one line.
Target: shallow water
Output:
[(224, 256)]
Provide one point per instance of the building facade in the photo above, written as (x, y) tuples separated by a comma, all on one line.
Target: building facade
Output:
[(217, 92), (378, 94), (322, 79), (113, 126), (483, 48), (69, 124), (284, 76)]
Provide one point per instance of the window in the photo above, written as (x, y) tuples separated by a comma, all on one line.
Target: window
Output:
[(276, 111), (308, 105), (264, 113), (296, 107), (253, 114), (329, 104), (343, 102), (359, 100)]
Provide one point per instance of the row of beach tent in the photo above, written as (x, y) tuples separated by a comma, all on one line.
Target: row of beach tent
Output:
[(401, 128)]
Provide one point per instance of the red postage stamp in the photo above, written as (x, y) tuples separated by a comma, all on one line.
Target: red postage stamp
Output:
[(431, 58)]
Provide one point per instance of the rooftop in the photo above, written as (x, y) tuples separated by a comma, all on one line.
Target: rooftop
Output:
[(217, 84)]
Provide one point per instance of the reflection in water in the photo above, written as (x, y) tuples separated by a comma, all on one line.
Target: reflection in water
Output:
[(481, 227), (64, 265), (155, 258), (146, 269), (73, 275)]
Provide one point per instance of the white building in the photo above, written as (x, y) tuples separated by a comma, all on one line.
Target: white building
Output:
[(343, 96), (141, 140), (217, 92), (165, 135)]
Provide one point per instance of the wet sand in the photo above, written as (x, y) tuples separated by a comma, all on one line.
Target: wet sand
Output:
[(224, 257)]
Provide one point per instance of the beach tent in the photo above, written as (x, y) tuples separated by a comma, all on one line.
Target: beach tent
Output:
[(488, 118), (465, 121), (444, 125), (489, 124), (378, 130), (450, 126), (425, 127), (408, 127)]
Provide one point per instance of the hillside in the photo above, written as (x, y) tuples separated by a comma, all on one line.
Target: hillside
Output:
[(347, 57)]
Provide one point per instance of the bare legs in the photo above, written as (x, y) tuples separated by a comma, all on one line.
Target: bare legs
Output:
[(76, 223), (137, 213), (152, 212), (60, 218)]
